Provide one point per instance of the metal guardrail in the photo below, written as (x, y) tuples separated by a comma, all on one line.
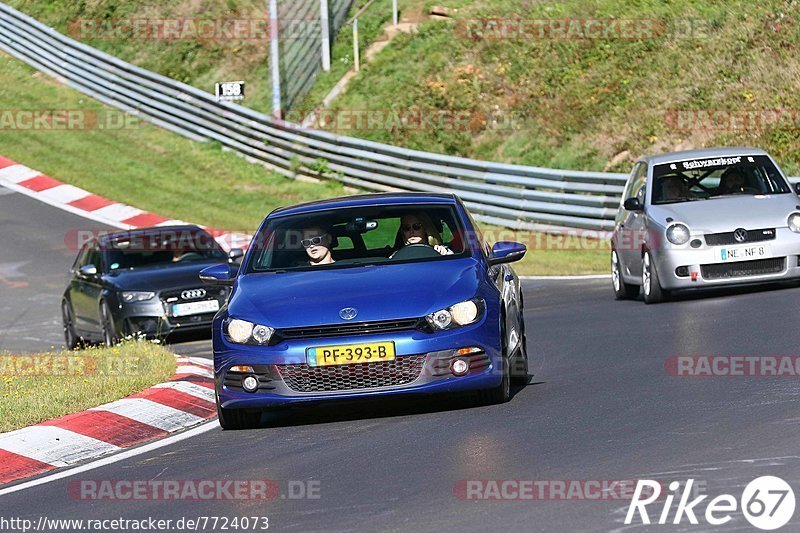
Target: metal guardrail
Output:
[(512, 195)]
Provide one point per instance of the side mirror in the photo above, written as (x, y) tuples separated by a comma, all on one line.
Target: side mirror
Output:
[(88, 271), (506, 252), (632, 204), (235, 253), (217, 275)]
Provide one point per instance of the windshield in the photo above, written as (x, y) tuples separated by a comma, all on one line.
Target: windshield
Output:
[(701, 179), (159, 248), (361, 236)]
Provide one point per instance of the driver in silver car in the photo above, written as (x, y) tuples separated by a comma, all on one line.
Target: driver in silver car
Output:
[(732, 181), (673, 188)]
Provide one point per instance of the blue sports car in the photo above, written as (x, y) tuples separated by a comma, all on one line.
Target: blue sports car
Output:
[(368, 295)]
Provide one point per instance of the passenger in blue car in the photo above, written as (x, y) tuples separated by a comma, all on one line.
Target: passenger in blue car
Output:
[(317, 242), (417, 228)]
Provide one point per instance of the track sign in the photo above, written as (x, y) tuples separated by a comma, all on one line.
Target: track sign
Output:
[(230, 90)]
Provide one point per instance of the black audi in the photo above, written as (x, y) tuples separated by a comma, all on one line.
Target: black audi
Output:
[(143, 282)]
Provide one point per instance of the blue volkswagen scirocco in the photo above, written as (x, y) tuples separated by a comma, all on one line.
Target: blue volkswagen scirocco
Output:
[(377, 294)]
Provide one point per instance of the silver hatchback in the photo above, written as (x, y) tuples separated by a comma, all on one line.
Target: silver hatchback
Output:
[(704, 218)]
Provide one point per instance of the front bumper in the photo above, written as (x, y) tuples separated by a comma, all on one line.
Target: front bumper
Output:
[(152, 319), (668, 259), (280, 368)]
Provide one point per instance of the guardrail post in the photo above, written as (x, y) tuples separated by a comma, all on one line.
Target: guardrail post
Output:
[(275, 57), (394, 12), (356, 59), (325, 32)]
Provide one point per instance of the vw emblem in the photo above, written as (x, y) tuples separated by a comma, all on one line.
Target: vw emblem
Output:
[(193, 294), (348, 313), (740, 235)]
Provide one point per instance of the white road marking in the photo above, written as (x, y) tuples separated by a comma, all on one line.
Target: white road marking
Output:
[(196, 361), (11, 270), (194, 369), (53, 445), (118, 212), (554, 278), (18, 173), (151, 413), (65, 193), (198, 391), (133, 452), (64, 207)]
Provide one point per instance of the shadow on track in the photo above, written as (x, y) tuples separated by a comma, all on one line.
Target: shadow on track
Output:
[(369, 408), (712, 293)]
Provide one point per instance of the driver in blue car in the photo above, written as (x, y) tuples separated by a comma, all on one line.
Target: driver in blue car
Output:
[(317, 243), (417, 228)]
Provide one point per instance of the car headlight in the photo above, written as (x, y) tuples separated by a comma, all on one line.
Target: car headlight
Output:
[(244, 332), (678, 234), (136, 296), (460, 314), (794, 222)]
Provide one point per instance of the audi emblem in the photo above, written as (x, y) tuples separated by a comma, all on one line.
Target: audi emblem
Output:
[(740, 235), (348, 313), (193, 294)]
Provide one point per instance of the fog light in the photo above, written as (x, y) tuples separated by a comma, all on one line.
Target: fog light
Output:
[(250, 384), (696, 243), (682, 271), (460, 367)]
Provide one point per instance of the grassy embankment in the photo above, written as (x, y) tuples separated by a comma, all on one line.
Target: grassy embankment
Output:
[(38, 387)]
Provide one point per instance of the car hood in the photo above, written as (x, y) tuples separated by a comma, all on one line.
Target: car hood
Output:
[(174, 276), (381, 292), (727, 214)]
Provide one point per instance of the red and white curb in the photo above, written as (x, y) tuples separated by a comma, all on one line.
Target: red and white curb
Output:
[(78, 201), (185, 401)]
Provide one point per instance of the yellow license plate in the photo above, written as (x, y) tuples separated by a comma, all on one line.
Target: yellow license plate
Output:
[(348, 354)]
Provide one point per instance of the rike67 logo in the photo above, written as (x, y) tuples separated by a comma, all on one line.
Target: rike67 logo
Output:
[(767, 503)]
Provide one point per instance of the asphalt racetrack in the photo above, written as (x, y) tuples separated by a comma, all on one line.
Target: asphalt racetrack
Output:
[(602, 405)]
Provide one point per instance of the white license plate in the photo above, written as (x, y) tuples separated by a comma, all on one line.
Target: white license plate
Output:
[(195, 308), (743, 253)]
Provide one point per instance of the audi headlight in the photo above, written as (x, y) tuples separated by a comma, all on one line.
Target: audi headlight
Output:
[(130, 297), (244, 332), (678, 234), (794, 222), (460, 314)]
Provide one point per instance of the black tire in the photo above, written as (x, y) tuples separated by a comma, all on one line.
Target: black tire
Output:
[(234, 419), (651, 286), (622, 290), (501, 393), (520, 367), (110, 335), (71, 338)]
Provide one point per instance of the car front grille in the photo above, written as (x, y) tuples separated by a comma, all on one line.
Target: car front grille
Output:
[(743, 269), (358, 328), (304, 378), (174, 296), (754, 235)]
